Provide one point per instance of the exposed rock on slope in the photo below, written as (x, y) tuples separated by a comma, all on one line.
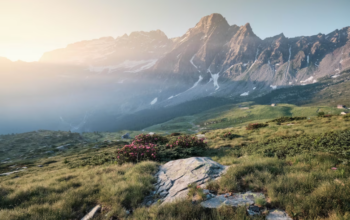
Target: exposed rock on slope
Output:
[(175, 176)]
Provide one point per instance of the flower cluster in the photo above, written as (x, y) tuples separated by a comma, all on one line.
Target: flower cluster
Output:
[(256, 126), (149, 139), (136, 153), (187, 141)]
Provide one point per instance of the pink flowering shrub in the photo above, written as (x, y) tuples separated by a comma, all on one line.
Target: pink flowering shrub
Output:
[(136, 153), (149, 139), (256, 126), (186, 141)]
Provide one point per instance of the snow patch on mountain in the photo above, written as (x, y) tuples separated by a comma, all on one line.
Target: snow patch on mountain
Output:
[(273, 87), (290, 55), (154, 101), (147, 66), (307, 80), (191, 61), (194, 85), (245, 94), (215, 78), (128, 64)]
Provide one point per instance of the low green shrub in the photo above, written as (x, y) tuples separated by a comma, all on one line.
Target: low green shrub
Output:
[(230, 136), (320, 114), (187, 141), (175, 134), (286, 119)]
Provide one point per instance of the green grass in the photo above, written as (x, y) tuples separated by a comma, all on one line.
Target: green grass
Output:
[(235, 115), (289, 161), (304, 185), (57, 192)]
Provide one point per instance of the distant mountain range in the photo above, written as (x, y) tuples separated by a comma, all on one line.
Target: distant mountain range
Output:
[(212, 59)]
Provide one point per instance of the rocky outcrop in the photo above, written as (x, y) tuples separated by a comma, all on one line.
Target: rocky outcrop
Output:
[(174, 177), (235, 200)]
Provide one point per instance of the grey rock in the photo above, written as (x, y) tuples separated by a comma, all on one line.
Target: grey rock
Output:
[(205, 191), (126, 136), (238, 199), (253, 210), (175, 176), (278, 215)]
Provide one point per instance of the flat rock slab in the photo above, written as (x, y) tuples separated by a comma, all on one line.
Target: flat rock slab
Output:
[(175, 176), (278, 215), (237, 199)]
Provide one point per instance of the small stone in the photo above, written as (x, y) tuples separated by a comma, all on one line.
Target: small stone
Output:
[(92, 213), (205, 191), (277, 215), (253, 210)]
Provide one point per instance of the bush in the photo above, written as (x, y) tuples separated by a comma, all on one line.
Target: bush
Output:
[(136, 153), (230, 136), (320, 114), (286, 119), (187, 141), (175, 134), (256, 126), (181, 147), (149, 139)]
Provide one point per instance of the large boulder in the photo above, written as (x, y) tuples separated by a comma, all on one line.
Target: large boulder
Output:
[(175, 176)]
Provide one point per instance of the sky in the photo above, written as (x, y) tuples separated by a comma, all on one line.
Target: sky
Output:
[(28, 28)]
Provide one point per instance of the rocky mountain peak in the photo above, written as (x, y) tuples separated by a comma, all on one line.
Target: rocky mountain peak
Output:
[(212, 21), (245, 31), (247, 27)]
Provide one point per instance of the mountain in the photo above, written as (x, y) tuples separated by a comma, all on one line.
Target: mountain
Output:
[(145, 74), (135, 52)]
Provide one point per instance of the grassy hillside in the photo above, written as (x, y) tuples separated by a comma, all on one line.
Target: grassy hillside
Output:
[(235, 115), (290, 161)]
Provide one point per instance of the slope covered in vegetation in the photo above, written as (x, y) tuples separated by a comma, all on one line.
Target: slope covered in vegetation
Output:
[(300, 165)]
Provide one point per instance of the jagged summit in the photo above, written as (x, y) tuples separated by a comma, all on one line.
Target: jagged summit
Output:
[(211, 21)]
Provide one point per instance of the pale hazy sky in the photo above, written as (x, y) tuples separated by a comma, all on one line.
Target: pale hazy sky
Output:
[(28, 28)]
